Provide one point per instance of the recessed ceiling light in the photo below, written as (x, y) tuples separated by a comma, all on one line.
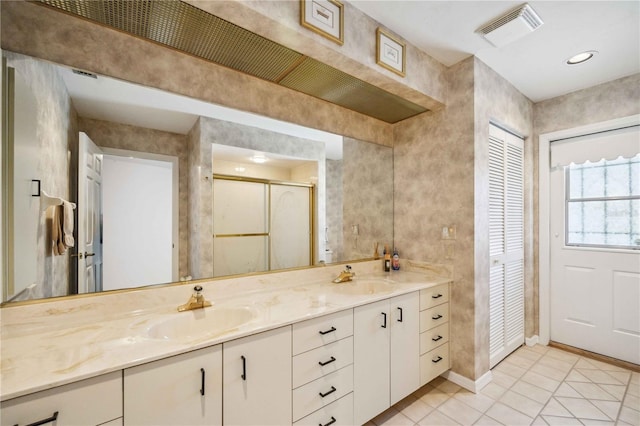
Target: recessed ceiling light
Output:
[(240, 169), (259, 159), (581, 57)]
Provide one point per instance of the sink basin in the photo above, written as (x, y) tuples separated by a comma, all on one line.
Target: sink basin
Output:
[(361, 287), (200, 323)]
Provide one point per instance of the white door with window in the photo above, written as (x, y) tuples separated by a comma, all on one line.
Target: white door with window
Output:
[(594, 242)]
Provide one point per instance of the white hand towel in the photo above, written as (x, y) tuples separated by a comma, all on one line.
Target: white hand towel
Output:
[(67, 224)]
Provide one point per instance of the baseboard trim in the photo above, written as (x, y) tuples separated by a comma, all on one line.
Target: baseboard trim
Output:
[(468, 384), (533, 340)]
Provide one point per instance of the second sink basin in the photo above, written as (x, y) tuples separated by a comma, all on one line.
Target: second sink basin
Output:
[(367, 286), (200, 323)]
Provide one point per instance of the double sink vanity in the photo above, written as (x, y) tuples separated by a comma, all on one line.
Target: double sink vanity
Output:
[(290, 347)]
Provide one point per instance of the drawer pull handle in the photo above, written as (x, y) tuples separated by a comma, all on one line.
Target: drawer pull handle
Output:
[(244, 368), (333, 389), (326, 362), (436, 317), (384, 324), (332, 421), (435, 339), (437, 296), (400, 319), (51, 419), (332, 329), (202, 381), (437, 360)]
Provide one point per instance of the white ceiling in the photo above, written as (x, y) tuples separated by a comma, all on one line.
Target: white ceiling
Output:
[(535, 64)]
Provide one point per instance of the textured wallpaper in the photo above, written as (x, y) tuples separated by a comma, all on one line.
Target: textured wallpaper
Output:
[(441, 179), (367, 198), (56, 133)]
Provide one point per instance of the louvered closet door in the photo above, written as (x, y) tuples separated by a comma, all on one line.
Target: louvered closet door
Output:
[(506, 243)]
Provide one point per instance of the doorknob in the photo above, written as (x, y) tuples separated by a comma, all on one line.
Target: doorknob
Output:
[(88, 254), (79, 255)]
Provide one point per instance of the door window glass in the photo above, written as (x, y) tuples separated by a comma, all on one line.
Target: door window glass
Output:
[(603, 203)]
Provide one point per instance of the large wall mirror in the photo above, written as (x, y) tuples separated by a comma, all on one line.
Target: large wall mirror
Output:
[(112, 185)]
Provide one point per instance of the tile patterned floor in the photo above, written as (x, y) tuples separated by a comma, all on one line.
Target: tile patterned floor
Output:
[(534, 385)]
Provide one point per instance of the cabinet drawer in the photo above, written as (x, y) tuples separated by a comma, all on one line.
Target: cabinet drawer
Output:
[(316, 332), (430, 297), (339, 413), (434, 317), (308, 398), (308, 366), (434, 363), (433, 338), (87, 402)]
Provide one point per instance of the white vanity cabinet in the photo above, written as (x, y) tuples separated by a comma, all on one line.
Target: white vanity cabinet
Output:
[(88, 402), (323, 370), (434, 332), (257, 379), (386, 354), (183, 389)]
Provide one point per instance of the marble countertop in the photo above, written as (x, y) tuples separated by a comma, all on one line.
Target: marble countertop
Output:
[(51, 344)]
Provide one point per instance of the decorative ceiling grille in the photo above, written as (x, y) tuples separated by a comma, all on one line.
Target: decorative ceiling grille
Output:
[(191, 30)]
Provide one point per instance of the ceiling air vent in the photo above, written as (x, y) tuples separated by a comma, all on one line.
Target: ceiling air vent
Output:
[(510, 27)]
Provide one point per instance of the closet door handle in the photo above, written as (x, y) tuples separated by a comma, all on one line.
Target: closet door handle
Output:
[(435, 339), (51, 419), (384, 325), (327, 362), (202, 373), (332, 329), (332, 421), (333, 389), (400, 319), (437, 296), (244, 368), (436, 317), (436, 360)]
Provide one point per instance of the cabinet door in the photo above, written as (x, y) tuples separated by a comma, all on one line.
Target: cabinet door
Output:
[(371, 326), (87, 402), (257, 379), (184, 389), (405, 345)]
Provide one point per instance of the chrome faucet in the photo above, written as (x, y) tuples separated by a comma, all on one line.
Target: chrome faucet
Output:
[(345, 275), (196, 301)]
